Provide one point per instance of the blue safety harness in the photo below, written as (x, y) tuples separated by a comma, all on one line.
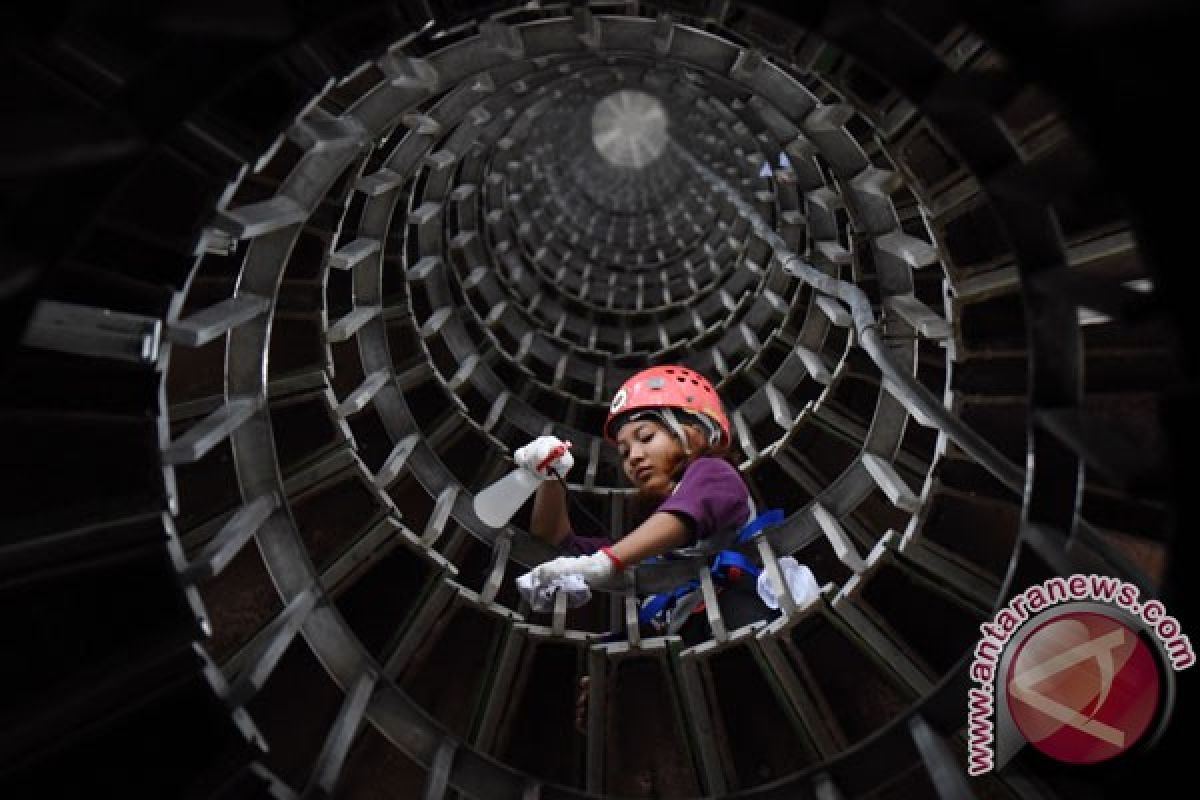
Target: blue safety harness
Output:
[(725, 567)]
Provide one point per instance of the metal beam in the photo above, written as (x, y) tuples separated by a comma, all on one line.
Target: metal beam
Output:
[(332, 758)]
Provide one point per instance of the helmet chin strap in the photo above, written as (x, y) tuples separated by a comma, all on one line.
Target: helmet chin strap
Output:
[(668, 415)]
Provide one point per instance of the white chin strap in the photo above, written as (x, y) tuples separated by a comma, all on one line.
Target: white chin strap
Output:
[(668, 415)]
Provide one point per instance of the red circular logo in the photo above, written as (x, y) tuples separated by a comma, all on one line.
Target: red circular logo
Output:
[(1083, 688)]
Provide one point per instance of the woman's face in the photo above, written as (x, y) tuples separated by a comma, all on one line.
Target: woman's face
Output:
[(650, 454)]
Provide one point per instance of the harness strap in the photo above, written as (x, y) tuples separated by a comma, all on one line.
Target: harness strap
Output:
[(659, 603), (772, 516), (728, 565)]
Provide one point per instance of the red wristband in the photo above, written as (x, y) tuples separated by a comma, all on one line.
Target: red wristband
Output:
[(616, 561)]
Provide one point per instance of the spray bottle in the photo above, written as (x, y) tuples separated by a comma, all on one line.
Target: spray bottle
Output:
[(496, 504)]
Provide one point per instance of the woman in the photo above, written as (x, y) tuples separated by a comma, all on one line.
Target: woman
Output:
[(671, 432)]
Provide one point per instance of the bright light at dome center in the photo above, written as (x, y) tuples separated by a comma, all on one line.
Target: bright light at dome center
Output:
[(629, 128)]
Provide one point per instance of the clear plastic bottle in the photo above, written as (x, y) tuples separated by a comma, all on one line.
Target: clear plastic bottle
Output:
[(496, 504)]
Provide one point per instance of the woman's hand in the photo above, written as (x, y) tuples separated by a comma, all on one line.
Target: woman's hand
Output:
[(594, 569), (545, 455)]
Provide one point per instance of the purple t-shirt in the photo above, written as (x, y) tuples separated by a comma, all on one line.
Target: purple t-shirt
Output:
[(711, 497)]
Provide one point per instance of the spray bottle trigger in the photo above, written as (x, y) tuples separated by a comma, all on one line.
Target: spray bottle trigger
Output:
[(553, 455)]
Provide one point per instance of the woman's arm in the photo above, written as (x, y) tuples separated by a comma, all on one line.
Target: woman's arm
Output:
[(549, 521), (660, 533), (663, 531)]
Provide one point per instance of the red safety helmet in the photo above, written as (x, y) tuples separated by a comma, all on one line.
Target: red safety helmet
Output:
[(667, 387)]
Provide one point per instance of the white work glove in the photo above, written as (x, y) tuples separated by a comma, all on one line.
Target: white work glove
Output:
[(594, 569), (800, 581), (569, 574), (536, 458), (541, 596)]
